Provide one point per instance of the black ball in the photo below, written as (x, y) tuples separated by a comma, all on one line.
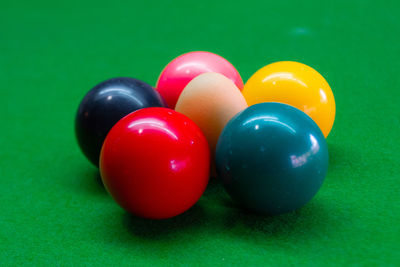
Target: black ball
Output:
[(107, 103)]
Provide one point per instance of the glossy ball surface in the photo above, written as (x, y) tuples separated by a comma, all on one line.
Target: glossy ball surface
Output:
[(181, 70), (211, 100), (272, 158), (155, 163), (104, 105), (295, 84)]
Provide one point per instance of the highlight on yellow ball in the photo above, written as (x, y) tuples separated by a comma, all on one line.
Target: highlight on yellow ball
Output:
[(295, 84), (211, 100)]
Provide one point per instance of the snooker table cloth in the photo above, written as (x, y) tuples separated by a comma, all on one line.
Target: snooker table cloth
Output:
[(54, 209)]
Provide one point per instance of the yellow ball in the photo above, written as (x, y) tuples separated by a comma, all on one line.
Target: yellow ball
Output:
[(297, 85), (211, 100)]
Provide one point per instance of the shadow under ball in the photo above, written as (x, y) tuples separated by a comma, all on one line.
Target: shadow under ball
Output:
[(104, 105)]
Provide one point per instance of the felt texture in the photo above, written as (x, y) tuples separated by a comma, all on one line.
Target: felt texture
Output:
[(54, 210)]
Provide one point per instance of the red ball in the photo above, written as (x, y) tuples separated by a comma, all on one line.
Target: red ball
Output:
[(155, 163)]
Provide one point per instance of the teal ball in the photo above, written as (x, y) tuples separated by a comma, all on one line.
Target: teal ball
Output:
[(272, 158)]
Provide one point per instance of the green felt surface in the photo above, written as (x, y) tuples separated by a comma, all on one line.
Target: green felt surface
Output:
[(54, 210)]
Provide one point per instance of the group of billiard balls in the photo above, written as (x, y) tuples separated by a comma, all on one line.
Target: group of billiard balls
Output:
[(156, 148)]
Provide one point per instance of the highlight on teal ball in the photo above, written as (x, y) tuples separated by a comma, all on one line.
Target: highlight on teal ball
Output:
[(272, 158)]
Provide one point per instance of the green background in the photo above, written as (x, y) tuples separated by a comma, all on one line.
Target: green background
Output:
[(53, 207)]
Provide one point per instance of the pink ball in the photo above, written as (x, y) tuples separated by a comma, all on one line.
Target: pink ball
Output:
[(180, 71)]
